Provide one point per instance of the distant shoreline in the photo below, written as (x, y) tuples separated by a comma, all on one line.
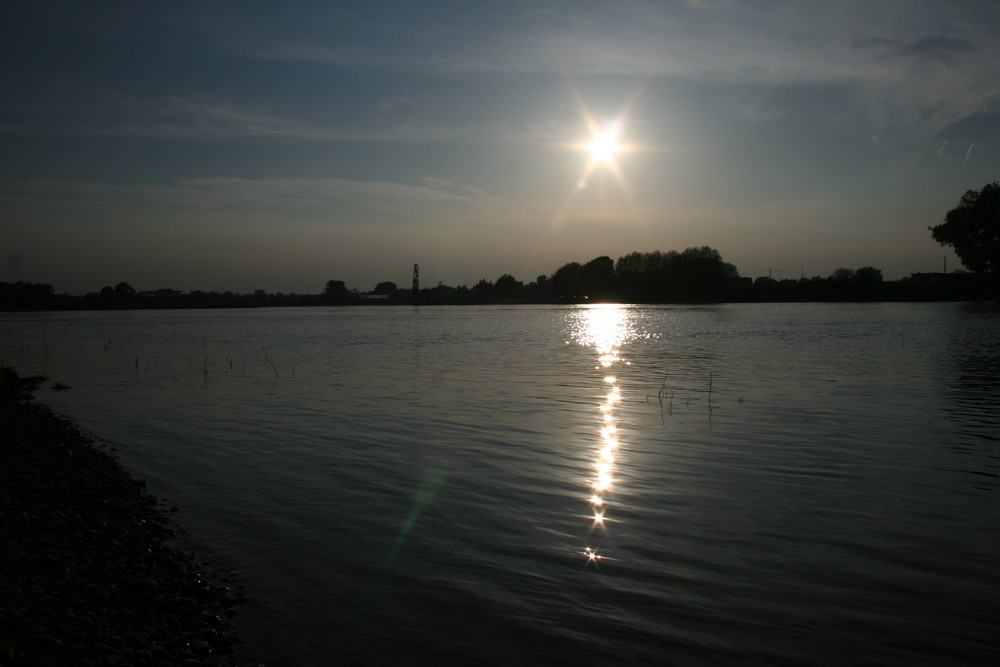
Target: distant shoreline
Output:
[(309, 301), (695, 276)]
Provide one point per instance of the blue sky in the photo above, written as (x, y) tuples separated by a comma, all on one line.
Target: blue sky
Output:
[(236, 146)]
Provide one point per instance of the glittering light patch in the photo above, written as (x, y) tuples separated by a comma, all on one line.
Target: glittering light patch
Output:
[(605, 328)]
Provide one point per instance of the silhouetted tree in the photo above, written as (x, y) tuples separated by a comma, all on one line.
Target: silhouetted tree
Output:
[(637, 278), (440, 294), (868, 276), (568, 280), (862, 283), (386, 288), (641, 262), (335, 292), (107, 296), (630, 263), (842, 275), (706, 275), (507, 287), (542, 288), (124, 293), (598, 279), (26, 296), (973, 229), (482, 291)]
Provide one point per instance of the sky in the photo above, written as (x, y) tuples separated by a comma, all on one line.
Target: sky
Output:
[(264, 145)]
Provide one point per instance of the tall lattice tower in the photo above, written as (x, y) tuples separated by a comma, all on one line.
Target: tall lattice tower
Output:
[(415, 294)]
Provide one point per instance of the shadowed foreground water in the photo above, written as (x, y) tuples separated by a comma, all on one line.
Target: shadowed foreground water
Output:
[(786, 484)]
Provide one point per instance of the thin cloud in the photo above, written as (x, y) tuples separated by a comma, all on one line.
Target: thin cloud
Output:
[(921, 75), (184, 117), (287, 194), (967, 154), (206, 119), (919, 66), (258, 190)]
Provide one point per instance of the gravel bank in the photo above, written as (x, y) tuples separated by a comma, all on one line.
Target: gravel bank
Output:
[(88, 573)]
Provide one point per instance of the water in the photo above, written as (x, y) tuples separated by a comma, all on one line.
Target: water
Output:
[(770, 484)]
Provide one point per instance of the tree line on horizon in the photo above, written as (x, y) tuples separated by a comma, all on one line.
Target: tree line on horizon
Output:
[(972, 229), (695, 275)]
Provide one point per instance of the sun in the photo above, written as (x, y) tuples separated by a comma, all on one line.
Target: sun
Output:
[(604, 144)]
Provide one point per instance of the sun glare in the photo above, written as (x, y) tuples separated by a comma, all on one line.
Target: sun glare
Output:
[(605, 144)]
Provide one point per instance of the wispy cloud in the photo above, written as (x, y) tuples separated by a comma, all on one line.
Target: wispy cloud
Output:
[(967, 154), (896, 68), (409, 202), (922, 73), (205, 117)]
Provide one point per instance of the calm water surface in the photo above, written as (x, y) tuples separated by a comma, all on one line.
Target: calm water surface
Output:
[(771, 484)]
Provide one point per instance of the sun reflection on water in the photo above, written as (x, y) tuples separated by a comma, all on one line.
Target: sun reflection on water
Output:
[(605, 328)]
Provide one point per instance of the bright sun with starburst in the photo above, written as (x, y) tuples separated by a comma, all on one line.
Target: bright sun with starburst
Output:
[(604, 144)]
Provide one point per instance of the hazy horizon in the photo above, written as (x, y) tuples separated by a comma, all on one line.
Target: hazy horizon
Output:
[(217, 147)]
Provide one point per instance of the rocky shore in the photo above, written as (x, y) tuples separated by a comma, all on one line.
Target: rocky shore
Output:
[(89, 572)]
